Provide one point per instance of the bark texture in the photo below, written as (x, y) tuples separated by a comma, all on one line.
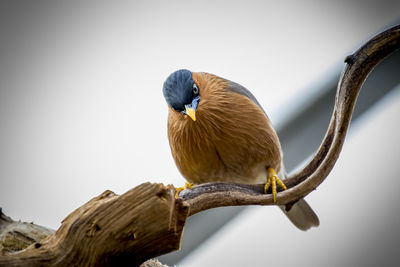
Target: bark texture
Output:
[(111, 230)]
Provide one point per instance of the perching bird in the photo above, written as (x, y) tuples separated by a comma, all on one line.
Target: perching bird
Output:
[(218, 131)]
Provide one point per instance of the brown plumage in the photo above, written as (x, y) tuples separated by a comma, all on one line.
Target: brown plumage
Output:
[(231, 140)]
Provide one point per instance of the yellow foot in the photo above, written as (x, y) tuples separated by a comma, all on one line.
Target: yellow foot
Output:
[(272, 178), (179, 189)]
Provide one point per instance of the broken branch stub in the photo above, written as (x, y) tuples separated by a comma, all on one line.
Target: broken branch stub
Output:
[(112, 230)]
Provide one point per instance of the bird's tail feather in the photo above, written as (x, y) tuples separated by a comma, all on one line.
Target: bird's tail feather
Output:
[(301, 215)]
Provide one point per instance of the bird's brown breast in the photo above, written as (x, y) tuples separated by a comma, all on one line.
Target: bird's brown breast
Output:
[(231, 140)]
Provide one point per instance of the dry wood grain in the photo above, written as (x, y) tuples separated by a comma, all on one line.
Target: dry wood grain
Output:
[(111, 230)]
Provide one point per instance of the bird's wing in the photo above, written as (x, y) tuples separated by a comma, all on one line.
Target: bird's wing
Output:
[(239, 89)]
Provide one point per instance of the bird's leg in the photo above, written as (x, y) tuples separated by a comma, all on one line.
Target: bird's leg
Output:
[(272, 178), (179, 189)]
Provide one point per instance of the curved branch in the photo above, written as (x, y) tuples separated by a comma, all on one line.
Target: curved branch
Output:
[(300, 184)]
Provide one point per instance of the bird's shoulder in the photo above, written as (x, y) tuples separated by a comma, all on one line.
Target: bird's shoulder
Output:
[(239, 89)]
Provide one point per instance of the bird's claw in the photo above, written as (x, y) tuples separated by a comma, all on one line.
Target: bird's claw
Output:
[(180, 189), (273, 179)]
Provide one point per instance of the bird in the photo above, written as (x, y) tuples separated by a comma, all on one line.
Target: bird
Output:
[(219, 132)]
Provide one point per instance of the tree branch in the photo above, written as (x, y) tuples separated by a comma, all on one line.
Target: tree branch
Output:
[(111, 230), (358, 66)]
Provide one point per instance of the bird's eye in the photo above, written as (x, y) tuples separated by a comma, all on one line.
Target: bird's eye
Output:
[(195, 89)]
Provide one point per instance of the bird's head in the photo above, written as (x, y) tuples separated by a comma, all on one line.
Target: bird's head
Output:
[(182, 93)]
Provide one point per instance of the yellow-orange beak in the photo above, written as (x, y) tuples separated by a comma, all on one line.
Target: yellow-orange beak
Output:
[(191, 112)]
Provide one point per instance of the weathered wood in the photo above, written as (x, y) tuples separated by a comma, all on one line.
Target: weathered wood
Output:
[(111, 230), (16, 236)]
